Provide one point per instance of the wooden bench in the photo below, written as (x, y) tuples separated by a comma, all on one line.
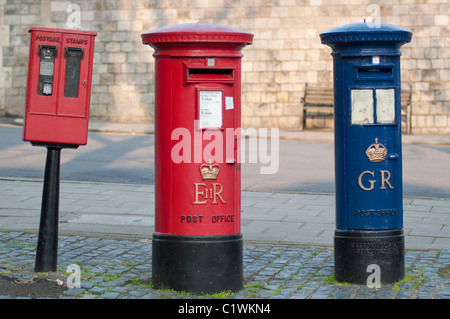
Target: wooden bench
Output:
[(316, 100), (320, 100), (406, 97)]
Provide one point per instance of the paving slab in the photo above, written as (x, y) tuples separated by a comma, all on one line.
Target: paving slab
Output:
[(105, 209), (288, 244)]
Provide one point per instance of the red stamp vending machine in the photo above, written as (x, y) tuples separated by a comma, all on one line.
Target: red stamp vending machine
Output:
[(56, 116), (59, 86)]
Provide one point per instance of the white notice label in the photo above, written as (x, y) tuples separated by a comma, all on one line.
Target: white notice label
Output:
[(46, 68), (210, 109), (229, 103), (362, 106), (385, 105)]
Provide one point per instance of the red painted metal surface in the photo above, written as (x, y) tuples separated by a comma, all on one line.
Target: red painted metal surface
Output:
[(55, 117), (197, 72)]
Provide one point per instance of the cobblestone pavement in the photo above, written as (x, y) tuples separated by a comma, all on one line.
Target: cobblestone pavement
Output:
[(121, 269)]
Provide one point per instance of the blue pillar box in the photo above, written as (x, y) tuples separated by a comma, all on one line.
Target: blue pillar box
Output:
[(368, 154)]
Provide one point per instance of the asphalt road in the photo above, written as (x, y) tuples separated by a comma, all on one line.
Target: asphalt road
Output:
[(304, 166)]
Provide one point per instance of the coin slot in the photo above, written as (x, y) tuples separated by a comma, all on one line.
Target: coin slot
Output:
[(47, 54)]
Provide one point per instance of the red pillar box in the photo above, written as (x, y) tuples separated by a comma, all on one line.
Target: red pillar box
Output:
[(59, 86), (197, 244)]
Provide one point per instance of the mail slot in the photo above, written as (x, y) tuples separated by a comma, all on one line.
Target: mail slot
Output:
[(370, 73), (368, 155), (210, 74), (197, 243), (59, 86)]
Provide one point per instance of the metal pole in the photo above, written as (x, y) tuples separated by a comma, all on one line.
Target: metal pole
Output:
[(47, 247)]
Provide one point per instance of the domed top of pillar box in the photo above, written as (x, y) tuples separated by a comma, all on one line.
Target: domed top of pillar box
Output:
[(197, 32), (197, 39), (366, 35)]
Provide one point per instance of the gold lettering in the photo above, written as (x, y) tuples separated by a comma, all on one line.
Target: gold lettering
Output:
[(199, 193), (217, 193), (385, 180), (372, 182), (208, 193)]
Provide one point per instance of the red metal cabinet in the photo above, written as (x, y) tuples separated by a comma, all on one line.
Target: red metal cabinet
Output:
[(198, 88), (59, 86)]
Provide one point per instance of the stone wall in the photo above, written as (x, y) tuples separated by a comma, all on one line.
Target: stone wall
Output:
[(286, 53)]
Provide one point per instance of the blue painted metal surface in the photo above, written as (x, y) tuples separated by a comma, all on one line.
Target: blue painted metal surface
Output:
[(368, 155)]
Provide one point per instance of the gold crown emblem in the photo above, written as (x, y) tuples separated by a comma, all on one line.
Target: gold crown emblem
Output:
[(376, 152), (209, 171)]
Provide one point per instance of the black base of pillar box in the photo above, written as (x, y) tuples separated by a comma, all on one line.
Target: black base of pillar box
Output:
[(197, 264), (355, 250)]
